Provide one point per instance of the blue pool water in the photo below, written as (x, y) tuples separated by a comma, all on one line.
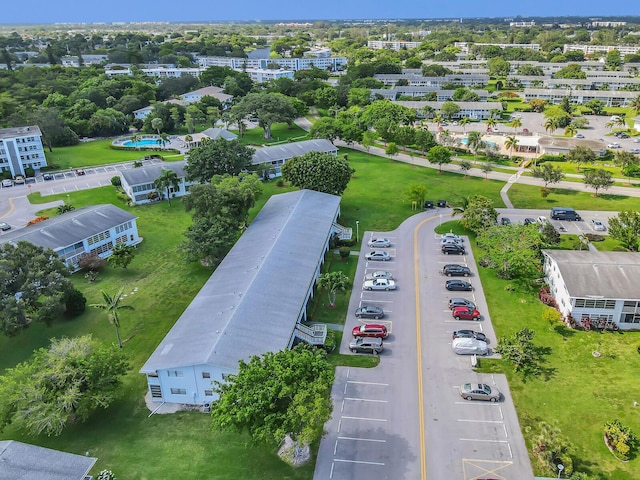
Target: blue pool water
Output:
[(141, 143), (465, 140)]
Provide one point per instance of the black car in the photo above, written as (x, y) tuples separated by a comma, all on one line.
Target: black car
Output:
[(47, 176), (369, 311), (442, 203), (529, 221), (452, 248), (459, 285), (454, 270), (505, 221), (428, 204), (469, 334), (460, 302)]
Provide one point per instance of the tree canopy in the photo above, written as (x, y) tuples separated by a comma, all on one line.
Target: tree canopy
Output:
[(478, 214), (276, 394), (439, 155), (61, 385), (513, 250), (318, 171), (33, 286), (548, 173), (218, 157), (625, 228), (598, 179), (268, 108)]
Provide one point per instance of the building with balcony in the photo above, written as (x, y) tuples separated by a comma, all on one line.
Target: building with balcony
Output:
[(21, 148)]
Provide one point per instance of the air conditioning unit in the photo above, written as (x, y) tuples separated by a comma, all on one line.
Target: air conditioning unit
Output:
[(206, 408)]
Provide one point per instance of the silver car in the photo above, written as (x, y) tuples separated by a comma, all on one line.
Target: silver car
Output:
[(470, 346), (366, 345), (379, 274), (598, 225), (378, 242), (379, 284), (479, 391), (378, 255)]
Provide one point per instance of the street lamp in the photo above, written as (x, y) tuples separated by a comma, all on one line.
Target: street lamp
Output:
[(357, 231), (560, 469), (68, 199)]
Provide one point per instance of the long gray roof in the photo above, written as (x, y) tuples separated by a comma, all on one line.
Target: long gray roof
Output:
[(614, 275), (21, 461), (143, 175), (215, 133), (20, 131), (251, 303), (69, 228), (287, 151)]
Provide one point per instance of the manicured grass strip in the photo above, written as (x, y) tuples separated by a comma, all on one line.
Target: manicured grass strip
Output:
[(528, 196)]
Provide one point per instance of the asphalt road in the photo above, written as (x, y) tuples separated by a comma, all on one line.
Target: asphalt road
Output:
[(405, 418)]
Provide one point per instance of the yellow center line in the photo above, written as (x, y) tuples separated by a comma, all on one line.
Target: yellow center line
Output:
[(11, 209), (423, 448)]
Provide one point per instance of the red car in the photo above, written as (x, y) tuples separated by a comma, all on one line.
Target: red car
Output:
[(465, 313), (370, 330)]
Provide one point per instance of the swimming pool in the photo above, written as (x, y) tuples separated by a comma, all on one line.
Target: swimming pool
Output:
[(465, 140), (145, 142)]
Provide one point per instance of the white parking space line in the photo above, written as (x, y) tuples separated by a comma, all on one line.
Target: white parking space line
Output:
[(489, 404), (358, 461), (363, 439), (366, 400), (375, 269), (480, 421), (365, 419), (368, 383), (483, 440), (373, 301)]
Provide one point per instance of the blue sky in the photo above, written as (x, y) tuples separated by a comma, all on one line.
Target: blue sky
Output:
[(50, 11)]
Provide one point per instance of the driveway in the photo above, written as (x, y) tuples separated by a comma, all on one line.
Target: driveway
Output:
[(405, 419)]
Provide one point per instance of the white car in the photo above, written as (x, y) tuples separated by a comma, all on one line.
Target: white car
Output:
[(379, 284), (578, 135), (613, 145), (470, 346), (7, 182), (451, 241), (597, 225), (542, 220), (451, 236), (378, 242), (378, 274)]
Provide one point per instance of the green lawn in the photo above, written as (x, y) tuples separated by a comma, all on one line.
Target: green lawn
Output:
[(528, 196), (280, 132), (581, 392), (134, 446)]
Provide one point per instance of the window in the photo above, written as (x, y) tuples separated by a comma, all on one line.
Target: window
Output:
[(208, 393), (591, 303), (206, 375), (175, 373), (178, 391)]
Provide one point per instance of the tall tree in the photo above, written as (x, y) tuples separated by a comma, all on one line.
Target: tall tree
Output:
[(268, 108), (121, 255), (548, 173), (424, 140), (439, 155), (580, 155), (416, 192), (598, 179), (61, 385), (516, 123), (625, 228), (332, 282), (318, 171), (218, 157), (112, 305), (281, 393), (33, 286), (520, 350), (479, 214), (510, 143), (513, 250), (167, 180), (475, 142), (628, 162)]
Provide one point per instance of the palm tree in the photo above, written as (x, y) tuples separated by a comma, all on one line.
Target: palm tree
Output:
[(157, 124), (516, 123), (510, 143), (165, 181), (474, 142), (134, 139), (491, 122), (551, 125), (464, 121), (610, 124), (112, 306), (164, 139), (635, 104), (570, 130), (188, 139), (620, 122)]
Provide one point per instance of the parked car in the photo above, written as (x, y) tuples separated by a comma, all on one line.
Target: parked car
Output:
[(613, 145), (542, 220), (460, 302), (451, 241), (529, 221), (459, 285), (428, 204), (7, 182), (19, 180), (80, 172), (452, 248), (598, 225), (505, 221), (378, 242), (379, 274), (469, 334), (366, 345), (442, 203), (379, 284), (465, 313), (370, 330), (455, 270), (452, 236), (479, 391), (578, 135), (47, 176), (4, 226), (470, 346), (623, 135), (376, 255), (369, 311), (635, 150)]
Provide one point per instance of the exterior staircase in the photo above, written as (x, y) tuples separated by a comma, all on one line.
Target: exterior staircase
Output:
[(345, 233), (312, 334)]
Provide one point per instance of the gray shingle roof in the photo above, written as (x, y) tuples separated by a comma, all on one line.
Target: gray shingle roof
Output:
[(287, 151), (20, 131), (252, 301), (21, 461), (614, 275), (215, 133), (69, 228), (142, 175)]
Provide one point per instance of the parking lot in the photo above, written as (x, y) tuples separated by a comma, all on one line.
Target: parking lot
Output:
[(406, 418)]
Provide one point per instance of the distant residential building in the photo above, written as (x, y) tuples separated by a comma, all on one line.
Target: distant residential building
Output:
[(94, 229), (589, 49), (611, 98), (74, 61), (607, 24), (441, 95), (396, 45), (24, 461), (259, 75), (595, 288), (417, 80), (531, 23), (472, 110), (562, 145), (211, 91), (138, 183), (21, 148), (195, 139), (465, 47), (295, 64), (277, 155)]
